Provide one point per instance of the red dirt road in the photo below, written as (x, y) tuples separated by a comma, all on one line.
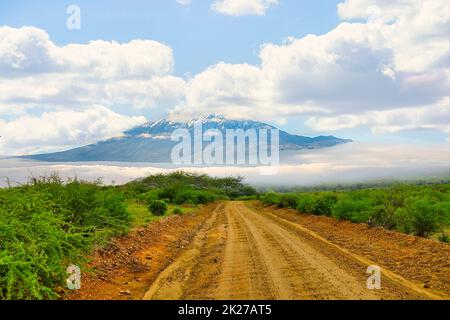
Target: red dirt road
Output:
[(268, 257), (241, 251)]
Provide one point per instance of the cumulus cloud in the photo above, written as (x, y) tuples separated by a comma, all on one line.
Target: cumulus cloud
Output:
[(61, 129), (345, 70), (433, 117), (29, 50), (395, 63), (243, 7), (35, 70), (355, 9)]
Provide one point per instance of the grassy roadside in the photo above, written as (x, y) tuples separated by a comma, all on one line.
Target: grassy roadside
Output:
[(141, 216)]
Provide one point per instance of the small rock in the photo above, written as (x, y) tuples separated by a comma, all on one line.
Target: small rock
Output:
[(125, 292)]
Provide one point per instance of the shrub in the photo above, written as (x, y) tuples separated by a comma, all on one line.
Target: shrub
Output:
[(323, 203), (418, 209), (178, 211), (352, 209), (403, 221), (47, 225), (176, 182), (149, 196), (305, 204), (248, 198), (186, 196), (158, 207), (288, 201), (270, 198), (204, 197), (444, 238), (424, 217)]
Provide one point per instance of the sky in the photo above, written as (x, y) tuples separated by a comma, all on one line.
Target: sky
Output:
[(199, 36), (369, 70)]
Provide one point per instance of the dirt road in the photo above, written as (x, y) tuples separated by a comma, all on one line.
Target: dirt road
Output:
[(246, 253)]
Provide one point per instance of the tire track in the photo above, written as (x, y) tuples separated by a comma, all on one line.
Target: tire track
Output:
[(247, 254)]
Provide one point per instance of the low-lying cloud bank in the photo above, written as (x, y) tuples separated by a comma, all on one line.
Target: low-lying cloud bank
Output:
[(355, 162)]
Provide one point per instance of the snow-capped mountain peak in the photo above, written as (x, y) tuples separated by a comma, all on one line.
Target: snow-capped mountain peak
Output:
[(152, 141)]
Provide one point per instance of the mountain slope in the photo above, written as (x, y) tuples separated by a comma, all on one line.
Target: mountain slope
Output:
[(151, 142)]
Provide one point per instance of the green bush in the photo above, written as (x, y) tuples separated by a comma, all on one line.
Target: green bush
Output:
[(424, 217), (194, 197), (305, 204), (403, 221), (149, 196), (416, 209), (288, 201), (178, 211), (204, 197), (270, 198), (351, 209), (444, 238), (158, 207), (176, 182), (47, 225), (324, 203), (248, 198), (186, 196)]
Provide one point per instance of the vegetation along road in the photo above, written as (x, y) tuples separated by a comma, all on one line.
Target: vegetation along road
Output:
[(190, 236)]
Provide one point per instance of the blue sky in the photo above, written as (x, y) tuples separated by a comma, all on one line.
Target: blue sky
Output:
[(198, 36), (369, 70)]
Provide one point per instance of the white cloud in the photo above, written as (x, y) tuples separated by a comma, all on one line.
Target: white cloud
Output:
[(35, 70), (415, 30), (347, 163), (26, 49), (434, 117), (354, 9), (397, 59), (62, 129), (184, 2), (243, 7), (142, 59), (238, 91), (346, 69), (224, 88), (29, 50)]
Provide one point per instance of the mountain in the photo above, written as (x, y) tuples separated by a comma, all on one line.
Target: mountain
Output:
[(151, 142)]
